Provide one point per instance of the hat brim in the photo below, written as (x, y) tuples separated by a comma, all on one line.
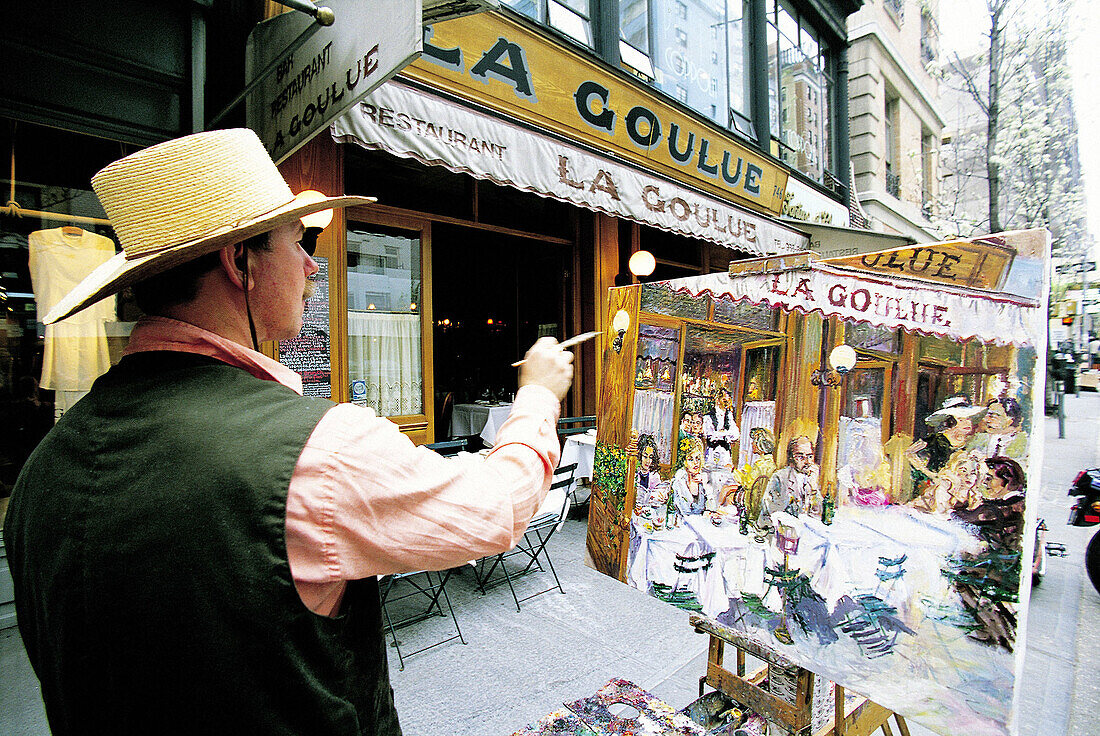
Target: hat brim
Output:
[(961, 412), (119, 272)]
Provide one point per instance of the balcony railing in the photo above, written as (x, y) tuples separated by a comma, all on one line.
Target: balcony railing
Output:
[(893, 184)]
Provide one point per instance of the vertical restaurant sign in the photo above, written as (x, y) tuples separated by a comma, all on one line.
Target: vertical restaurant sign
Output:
[(495, 61), (308, 354), (335, 68)]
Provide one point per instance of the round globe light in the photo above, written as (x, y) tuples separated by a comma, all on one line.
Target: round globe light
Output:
[(642, 263), (842, 359), (319, 219)]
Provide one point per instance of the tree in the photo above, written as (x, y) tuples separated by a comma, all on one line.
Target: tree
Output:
[(1016, 130)]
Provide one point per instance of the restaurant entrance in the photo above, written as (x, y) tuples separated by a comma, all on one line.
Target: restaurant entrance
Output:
[(493, 295)]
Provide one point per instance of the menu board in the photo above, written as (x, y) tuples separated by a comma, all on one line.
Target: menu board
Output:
[(308, 353)]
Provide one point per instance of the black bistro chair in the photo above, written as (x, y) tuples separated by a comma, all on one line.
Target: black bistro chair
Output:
[(423, 585), (532, 546)]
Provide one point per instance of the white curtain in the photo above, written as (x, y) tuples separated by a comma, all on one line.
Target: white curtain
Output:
[(384, 351), (653, 415), (754, 414)]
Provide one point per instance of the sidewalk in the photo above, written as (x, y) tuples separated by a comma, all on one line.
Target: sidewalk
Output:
[(517, 667)]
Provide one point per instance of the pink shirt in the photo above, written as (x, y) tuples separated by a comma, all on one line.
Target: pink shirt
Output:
[(364, 500)]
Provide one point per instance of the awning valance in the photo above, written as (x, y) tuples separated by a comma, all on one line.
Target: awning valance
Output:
[(922, 307), (408, 122)]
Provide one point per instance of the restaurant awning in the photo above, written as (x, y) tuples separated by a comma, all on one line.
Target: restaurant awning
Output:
[(411, 123), (871, 295)]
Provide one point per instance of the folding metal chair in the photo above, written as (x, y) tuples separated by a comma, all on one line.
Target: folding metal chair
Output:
[(435, 590), (550, 517)]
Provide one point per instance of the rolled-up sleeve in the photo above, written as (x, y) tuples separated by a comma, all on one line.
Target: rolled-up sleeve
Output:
[(364, 500)]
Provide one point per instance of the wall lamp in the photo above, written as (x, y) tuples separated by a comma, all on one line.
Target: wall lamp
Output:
[(642, 263), (620, 323), (315, 222), (842, 359)]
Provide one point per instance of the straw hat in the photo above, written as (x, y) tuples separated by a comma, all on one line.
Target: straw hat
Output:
[(953, 406), (184, 198)]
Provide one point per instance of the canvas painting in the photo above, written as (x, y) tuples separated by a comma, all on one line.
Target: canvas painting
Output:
[(837, 466)]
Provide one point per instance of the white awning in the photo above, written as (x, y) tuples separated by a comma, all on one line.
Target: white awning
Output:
[(407, 122), (927, 308)]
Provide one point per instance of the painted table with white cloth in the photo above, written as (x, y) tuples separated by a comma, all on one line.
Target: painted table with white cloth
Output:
[(480, 419)]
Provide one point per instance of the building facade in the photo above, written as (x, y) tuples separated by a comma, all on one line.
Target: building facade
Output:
[(896, 118), (518, 164)]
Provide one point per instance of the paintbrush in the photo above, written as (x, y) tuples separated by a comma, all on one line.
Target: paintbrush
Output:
[(567, 344)]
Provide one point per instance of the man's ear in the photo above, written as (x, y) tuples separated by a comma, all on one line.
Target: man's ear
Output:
[(233, 262)]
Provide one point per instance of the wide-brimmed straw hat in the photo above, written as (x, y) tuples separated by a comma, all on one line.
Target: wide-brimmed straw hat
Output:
[(954, 406), (184, 198)]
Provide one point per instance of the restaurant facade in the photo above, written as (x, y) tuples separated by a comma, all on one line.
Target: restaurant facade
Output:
[(529, 153), (519, 163)]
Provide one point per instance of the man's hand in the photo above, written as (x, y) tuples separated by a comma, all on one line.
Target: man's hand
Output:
[(547, 365)]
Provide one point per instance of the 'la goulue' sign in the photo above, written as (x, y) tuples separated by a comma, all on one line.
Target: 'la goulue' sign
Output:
[(497, 62)]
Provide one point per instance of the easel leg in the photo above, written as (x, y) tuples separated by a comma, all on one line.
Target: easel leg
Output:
[(903, 727), (838, 712), (886, 728)]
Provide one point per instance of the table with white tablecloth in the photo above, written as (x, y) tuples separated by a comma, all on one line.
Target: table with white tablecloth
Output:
[(579, 449), (480, 419)]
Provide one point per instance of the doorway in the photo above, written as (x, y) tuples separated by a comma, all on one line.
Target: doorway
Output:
[(493, 295)]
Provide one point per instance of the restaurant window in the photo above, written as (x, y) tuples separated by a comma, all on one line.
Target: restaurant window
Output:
[(385, 336), (53, 233), (571, 17), (800, 87), (697, 52)]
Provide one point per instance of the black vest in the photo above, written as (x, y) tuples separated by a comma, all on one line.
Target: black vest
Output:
[(153, 592)]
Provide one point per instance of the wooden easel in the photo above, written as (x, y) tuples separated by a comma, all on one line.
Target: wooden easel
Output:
[(860, 718)]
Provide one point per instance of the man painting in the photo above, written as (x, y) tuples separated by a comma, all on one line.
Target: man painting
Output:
[(195, 545), (793, 489)]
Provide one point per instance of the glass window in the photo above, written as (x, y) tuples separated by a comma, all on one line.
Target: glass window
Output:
[(571, 17), (385, 369), (530, 8), (699, 48), (799, 92)]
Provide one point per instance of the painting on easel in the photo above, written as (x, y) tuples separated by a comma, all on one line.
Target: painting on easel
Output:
[(834, 457)]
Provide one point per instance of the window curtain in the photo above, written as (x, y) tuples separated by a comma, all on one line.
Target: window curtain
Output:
[(653, 415), (384, 351), (754, 414)]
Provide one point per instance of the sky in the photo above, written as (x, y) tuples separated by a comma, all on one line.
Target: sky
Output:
[(963, 28)]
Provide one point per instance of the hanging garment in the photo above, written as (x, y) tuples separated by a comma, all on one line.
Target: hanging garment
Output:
[(75, 351)]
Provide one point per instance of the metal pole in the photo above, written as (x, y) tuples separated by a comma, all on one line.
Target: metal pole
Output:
[(1060, 392), (322, 16)]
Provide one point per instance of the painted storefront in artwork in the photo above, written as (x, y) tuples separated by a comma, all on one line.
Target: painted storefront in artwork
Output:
[(834, 457)]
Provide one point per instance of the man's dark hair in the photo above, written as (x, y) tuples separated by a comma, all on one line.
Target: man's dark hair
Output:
[(180, 284), (1009, 471)]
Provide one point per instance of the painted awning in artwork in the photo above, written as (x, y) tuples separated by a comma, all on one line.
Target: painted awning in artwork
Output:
[(868, 294)]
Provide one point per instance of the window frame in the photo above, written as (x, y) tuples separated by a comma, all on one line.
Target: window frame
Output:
[(421, 426)]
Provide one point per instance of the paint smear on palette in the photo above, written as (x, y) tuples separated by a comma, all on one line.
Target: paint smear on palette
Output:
[(655, 717), (559, 723)]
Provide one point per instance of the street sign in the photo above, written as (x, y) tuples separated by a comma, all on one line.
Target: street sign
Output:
[(335, 68)]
